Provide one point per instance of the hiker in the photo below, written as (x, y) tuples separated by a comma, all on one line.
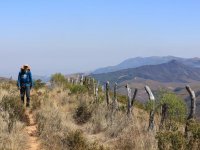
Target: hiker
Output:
[(25, 83)]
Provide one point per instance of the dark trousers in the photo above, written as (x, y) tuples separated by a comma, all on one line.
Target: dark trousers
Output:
[(25, 91)]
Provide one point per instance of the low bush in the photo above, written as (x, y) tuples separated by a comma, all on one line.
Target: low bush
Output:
[(36, 102), (83, 113), (58, 79), (38, 84), (171, 140), (78, 89), (76, 141), (14, 139), (15, 109), (194, 138)]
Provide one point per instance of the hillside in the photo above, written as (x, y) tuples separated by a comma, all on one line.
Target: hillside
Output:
[(141, 61), (172, 76), (67, 118), (173, 71), (73, 117)]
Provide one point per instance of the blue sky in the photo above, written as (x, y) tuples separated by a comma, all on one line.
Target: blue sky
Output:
[(81, 35)]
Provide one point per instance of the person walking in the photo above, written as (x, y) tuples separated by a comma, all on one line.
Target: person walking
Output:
[(25, 83)]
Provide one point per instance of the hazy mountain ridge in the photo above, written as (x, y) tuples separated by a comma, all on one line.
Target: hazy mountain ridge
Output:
[(43, 78), (173, 71), (141, 61)]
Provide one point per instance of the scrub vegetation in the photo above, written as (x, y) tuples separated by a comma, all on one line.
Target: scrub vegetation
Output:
[(70, 115)]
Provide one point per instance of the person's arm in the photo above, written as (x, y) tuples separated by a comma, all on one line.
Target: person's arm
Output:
[(18, 81), (31, 80)]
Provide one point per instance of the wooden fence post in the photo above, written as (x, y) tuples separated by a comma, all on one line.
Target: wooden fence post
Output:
[(82, 79), (107, 93), (102, 88), (89, 81), (115, 103), (68, 80), (77, 80), (134, 96), (164, 112), (96, 92), (192, 108), (193, 102), (93, 86), (129, 99), (152, 111)]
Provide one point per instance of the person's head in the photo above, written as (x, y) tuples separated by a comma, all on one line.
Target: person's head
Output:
[(22, 68), (25, 68)]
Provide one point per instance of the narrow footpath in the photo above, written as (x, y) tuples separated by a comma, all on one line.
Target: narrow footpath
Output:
[(31, 130)]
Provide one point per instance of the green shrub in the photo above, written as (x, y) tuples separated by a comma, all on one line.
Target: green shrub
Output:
[(38, 84), (15, 110), (49, 121), (13, 105), (177, 109), (78, 89), (171, 141), (58, 79), (36, 102), (176, 140), (83, 113), (76, 141), (194, 138), (6, 86)]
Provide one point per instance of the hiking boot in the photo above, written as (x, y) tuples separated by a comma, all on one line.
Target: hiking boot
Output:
[(27, 105)]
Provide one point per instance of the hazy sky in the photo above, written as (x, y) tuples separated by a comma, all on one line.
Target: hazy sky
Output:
[(81, 35)]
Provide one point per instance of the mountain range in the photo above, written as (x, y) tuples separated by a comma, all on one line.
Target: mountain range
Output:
[(141, 61), (172, 71), (169, 73)]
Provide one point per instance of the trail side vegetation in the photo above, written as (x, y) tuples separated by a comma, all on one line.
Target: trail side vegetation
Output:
[(72, 113)]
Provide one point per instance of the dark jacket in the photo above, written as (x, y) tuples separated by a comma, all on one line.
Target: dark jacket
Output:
[(25, 79)]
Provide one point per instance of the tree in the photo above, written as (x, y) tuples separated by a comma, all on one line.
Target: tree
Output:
[(174, 107), (58, 79), (177, 109), (38, 84)]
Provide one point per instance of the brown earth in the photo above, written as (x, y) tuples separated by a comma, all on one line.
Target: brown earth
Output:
[(31, 130)]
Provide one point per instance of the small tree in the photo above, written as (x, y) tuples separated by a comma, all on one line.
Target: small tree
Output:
[(38, 84), (58, 79), (176, 106)]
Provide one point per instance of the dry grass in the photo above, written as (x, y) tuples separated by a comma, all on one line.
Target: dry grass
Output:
[(56, 123), (11, 135), (58, 128)]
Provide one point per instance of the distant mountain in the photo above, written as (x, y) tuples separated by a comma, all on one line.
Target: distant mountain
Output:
[(43, 78), (173, 71), (141, 61), (4, 79)]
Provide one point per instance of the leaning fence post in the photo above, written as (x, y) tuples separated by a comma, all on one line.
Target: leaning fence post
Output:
[(163, 114), (192, 108), (152, 111), (102, 88), (115, 103), (107, 93), (96, 92), (134, 96), (82, 79), (193, 102), (94, 86), (77, 80), (129, 99)]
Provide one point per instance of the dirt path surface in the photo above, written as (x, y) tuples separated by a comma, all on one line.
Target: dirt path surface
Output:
[(31, 129)]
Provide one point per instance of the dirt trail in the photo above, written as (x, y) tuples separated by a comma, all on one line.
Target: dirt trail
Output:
[(31, 129)]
